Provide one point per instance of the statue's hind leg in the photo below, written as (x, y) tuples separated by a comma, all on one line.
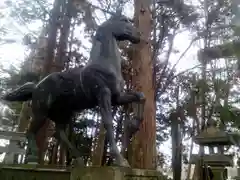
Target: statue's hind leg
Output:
[(60, 133), (104, 99), (37, 122)]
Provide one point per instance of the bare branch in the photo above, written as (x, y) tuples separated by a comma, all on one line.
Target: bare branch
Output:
[(184, 53), (43, 8)]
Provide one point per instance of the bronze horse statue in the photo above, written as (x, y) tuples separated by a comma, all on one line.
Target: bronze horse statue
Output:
[(99, 84)]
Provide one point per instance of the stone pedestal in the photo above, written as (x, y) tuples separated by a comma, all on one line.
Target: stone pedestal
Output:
[(214, 137), (213, 160), (238, 172), (47, 172), (114, 173), (33, 172), (13, 149)]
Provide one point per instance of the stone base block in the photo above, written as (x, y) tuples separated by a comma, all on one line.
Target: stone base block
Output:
[(114, 173), (218, 173), (213, 159), (33, 172), (37, 172)]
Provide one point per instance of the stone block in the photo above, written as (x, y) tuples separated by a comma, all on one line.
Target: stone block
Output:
[(213, 159), (15, 136), (114, 173), (37, 172), (212, 136), (33, 172), (218, 173)]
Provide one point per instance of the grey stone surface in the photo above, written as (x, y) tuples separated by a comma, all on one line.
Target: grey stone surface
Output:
[(114, 173)]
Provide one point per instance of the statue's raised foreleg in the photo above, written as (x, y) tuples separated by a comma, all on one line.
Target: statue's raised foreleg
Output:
[(133, 97), (138, 108), (132, 123), (129, 97)]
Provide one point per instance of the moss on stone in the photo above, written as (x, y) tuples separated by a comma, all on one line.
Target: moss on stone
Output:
[(114, 173), (36, 172)]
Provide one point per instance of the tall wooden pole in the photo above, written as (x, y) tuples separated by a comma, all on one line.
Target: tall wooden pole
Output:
[(48, 63), (143, 153)]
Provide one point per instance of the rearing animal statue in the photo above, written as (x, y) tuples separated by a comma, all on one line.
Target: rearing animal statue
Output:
[(61, 94)]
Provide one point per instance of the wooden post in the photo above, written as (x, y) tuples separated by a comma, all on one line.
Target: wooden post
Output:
[(144, 144)]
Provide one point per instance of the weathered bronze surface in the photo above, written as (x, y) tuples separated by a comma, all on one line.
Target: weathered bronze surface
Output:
[(59, 95)]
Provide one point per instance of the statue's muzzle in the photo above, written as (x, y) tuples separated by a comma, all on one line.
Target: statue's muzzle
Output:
[(136, 36)]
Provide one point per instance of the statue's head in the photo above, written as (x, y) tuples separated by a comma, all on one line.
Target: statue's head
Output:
[(121, 28)]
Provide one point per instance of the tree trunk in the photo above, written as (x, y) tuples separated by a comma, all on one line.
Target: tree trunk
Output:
[(24, 117), (41, 141), (61, 7), (144, 144), (62, 155), (189, 169), (70, 133), (55, 153), (99, 147), (176, 146), (51, 45)]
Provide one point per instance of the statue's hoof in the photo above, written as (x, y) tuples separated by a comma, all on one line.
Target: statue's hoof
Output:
[(141, 96), (78, 162)]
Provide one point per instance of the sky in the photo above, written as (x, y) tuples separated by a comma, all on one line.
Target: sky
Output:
[(14, 53)]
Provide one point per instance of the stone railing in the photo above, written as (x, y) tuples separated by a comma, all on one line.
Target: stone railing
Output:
[(16, 145)]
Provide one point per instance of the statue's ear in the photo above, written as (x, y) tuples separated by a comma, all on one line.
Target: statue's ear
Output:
[(99, 34)]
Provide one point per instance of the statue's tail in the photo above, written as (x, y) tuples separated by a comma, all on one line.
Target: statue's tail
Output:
[(23, 93)]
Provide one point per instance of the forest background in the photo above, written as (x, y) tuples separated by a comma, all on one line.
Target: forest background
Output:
[(42, 36)]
